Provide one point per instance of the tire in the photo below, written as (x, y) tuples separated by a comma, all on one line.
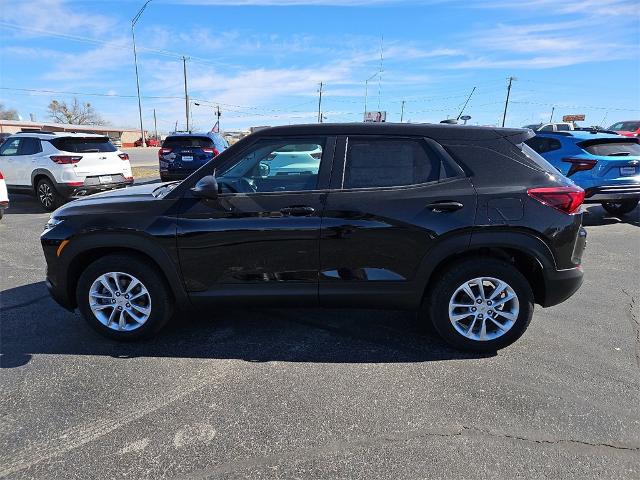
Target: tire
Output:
[(157, 300), (47, 195), (449, 289), (620, 208)]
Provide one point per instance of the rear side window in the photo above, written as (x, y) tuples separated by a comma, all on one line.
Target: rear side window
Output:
[(626, 126), (187, 141), (83, 144), (612, 149), (535, 157), (30, 146), (389, 163), (563, 127), (543, 144)]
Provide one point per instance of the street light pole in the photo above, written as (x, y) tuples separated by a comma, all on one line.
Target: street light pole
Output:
[(134, 20)]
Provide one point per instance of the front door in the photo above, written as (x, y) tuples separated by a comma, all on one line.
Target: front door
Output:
[(259, 239), (9, 160), (392, 198)]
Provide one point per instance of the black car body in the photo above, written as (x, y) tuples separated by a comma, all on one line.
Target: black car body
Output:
[(390, 214)]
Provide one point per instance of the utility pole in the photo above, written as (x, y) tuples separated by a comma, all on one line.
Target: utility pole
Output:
[(218, 116), (155, 124), (320, 104), (553, 109), (506, 103), (402, 112), (134, 20), (186, 94)]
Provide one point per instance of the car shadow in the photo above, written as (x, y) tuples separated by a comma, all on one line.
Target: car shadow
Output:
[(33, 324), (21, 203), (595, 216)]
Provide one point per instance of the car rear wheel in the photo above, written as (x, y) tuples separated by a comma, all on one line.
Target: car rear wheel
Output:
[(124, 298), (481, 305), (620, 208), (47, 194)]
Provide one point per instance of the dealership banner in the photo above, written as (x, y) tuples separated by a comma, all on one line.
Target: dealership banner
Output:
[(375, 116)]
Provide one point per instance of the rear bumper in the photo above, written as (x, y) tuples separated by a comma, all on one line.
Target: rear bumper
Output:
[(561, 284), (170, 176), (69, 191), (611, 193)]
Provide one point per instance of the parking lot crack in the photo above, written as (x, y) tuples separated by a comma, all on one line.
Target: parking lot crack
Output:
[(635, 323), (552, 441)]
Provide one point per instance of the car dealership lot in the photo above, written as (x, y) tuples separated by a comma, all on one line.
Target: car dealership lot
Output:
[(320, 393)]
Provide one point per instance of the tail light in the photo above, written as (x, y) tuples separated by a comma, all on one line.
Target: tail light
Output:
[(214, 151), (579, 164), (1, 176), (123, 156), (164, 151), (565, 199), (65, 159)]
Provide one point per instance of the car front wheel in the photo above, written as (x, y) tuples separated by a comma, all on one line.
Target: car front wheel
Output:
[(620, 208), (123, 298), (481, 305)]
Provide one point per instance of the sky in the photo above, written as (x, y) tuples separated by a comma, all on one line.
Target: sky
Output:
[(262, 61)]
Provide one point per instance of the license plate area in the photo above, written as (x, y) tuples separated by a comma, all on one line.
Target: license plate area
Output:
[(627, 171), (187, 158), (105, 179)]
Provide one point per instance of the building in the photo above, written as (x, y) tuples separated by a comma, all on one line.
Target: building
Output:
[(125, 135)]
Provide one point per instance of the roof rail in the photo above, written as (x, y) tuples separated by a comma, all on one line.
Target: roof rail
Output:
[(46, 132)]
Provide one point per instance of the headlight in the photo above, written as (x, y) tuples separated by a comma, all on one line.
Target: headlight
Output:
[(53, 221)]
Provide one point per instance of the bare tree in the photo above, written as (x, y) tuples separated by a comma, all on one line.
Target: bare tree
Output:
[(8, 114), (76, 113)]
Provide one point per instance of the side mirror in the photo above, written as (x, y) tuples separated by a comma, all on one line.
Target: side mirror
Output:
[(207, 187)]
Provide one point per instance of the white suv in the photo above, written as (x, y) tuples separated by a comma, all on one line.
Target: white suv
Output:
[(57, 166)]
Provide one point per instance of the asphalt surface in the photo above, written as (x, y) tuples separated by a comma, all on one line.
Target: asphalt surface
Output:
[(320, 393)]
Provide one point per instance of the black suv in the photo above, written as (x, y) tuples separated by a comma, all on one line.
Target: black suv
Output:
[(466, 225)]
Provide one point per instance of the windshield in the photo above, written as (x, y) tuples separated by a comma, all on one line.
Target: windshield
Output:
[(187, 141), (84, 144), (613, 148)]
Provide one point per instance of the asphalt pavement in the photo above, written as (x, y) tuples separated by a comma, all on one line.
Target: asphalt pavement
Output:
[(310, 394)]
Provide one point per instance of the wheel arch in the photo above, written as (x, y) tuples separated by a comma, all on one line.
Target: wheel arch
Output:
[(39, 173), (529, 254), (81, 253)]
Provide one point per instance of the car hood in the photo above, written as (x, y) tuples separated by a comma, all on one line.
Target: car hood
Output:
[(129, 198)]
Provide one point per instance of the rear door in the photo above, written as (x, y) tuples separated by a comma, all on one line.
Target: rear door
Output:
[(392, 199)]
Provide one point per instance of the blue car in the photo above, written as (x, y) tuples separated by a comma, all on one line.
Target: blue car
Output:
[(182, 154), (606, 166)]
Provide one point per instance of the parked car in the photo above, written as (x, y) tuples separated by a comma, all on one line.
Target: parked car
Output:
[(4, 197), (605, 165), (148, 141), (408, 216), (630, 128), (116, 141), (58, 166), (183, 153), (551, 127)]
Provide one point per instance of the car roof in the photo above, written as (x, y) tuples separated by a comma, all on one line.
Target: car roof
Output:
[(580, 134), (51, 135), (192, 134), (437, 131)]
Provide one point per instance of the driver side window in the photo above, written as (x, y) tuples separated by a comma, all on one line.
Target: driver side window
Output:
[(283, 165)]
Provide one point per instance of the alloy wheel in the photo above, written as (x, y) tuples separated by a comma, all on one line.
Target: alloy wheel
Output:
[(120, 301), (45, 194), (483, 309)]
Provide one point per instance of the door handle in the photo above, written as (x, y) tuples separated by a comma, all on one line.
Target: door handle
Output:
[(440, 207), (298, 211)]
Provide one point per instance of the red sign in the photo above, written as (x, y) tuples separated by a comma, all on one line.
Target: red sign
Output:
[(573, 118)]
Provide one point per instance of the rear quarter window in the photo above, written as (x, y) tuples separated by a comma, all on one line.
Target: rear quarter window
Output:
[(83, 144)]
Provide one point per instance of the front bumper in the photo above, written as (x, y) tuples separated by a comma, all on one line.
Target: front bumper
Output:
[(611, 193)]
